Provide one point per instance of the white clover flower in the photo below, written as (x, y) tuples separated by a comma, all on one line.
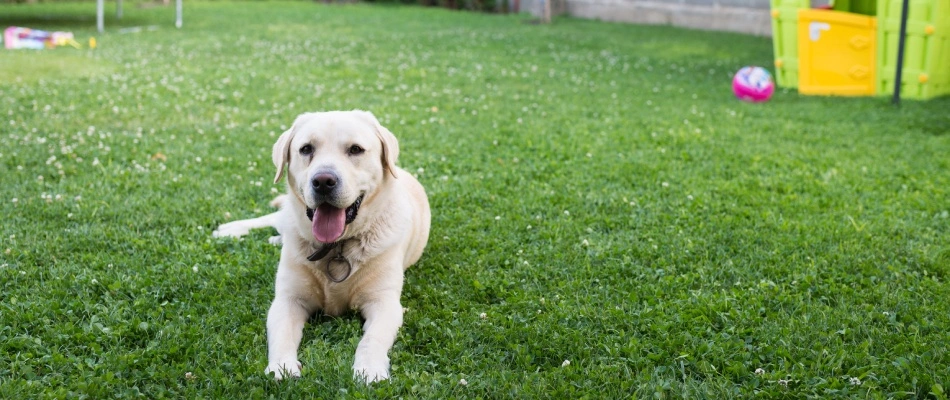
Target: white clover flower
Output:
[(462, 381), (483, 316), (565, 363), (585, 243), (759, 371), (855, 381)]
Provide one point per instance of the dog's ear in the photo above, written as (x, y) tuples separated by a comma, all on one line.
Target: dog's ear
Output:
[(281, 152), (390, 151)]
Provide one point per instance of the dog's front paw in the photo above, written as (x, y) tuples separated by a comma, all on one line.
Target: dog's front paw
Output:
[(234, 229), (371, 371), (284, 369)]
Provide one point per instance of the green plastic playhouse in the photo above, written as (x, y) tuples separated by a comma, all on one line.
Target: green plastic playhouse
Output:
[(926, 69)]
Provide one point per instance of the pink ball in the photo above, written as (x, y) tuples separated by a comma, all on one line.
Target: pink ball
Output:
[(753, 84)]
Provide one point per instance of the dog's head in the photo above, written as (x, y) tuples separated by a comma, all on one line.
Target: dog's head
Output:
[(333, 160)]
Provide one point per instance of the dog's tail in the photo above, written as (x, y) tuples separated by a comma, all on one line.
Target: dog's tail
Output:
[(279, 201)]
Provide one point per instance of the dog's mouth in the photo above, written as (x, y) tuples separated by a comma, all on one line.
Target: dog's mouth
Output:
[(329, 222)]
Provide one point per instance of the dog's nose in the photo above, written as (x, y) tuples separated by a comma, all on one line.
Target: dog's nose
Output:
[(324, 183)]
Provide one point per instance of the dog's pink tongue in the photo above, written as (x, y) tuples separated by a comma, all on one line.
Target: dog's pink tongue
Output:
[(328, 223)]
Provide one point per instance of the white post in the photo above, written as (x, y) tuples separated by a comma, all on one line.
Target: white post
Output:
[(100, 18), (177, 13)]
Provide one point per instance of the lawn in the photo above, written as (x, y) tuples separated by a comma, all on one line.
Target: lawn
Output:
[(608, 221)]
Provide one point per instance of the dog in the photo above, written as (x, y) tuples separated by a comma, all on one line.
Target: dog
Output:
[(350, 224)]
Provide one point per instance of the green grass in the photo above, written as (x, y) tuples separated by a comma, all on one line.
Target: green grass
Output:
[(597, 193), (29, 67)]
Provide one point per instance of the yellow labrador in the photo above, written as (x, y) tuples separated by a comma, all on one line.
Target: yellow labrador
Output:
[(351, 223)]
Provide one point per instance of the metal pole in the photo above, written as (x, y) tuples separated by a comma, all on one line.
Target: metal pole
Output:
[(100, 18), (178, 13), (900, 54)]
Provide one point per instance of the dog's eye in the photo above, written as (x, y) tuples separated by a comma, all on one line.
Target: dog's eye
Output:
[(356, 150), (306, 150)]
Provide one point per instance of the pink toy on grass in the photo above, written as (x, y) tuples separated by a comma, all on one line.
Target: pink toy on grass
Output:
[(753, 84)]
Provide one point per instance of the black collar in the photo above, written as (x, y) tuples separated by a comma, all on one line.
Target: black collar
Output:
[(322, 252)]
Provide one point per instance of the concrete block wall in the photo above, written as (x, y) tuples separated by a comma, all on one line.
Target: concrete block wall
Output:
[(744, 16)]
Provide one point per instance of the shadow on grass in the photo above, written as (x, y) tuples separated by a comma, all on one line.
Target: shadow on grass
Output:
[(65, 22), (936, 124), (48, 20), (69, 16)]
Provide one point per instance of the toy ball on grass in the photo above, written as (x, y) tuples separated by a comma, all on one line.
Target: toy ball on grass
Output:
[(753, 84)]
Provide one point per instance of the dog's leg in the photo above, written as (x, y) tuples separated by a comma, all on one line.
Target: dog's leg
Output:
[(285, 322), (242, 227), (383, 319)]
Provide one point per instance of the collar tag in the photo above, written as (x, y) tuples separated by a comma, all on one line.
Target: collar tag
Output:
[(337, 260)]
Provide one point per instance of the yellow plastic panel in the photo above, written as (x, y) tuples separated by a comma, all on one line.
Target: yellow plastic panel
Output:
[(836, 53)]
